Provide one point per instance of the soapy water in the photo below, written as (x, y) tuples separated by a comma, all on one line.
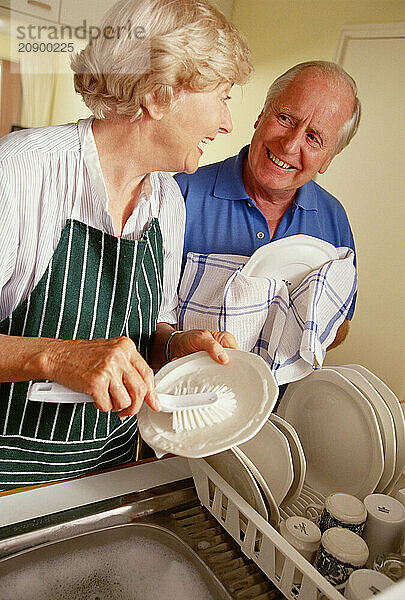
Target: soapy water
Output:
[(137, 569)]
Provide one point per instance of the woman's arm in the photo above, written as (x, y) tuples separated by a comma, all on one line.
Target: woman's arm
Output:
[(110, 370)]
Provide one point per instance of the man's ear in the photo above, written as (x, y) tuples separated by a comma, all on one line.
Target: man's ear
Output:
[(326, 164)]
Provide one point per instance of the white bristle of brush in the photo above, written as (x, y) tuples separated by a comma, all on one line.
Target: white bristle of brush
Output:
[(195, 418)]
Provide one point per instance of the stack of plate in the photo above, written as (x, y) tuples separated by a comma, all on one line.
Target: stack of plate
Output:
[(340, 429), (268, 470), (352, 430)]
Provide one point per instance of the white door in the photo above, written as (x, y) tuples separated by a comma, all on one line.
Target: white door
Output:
[(369, 179)]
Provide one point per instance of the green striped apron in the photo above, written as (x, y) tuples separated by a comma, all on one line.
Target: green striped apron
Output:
[(96, 285)]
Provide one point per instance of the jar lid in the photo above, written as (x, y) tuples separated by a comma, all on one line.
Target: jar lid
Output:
[(385, 508), (301, 533), (345, 545), (365, 583), (346, 508)]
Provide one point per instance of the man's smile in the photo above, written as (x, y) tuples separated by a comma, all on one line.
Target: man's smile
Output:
[(277, 161)]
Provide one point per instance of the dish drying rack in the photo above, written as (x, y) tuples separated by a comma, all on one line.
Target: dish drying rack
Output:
[(258, 540), (297, 508)]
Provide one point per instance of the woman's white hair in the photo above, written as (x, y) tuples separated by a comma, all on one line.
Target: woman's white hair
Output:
[(329, 69), (153, 49)]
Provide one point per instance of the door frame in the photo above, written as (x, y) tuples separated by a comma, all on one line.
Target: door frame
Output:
[(366, 30)]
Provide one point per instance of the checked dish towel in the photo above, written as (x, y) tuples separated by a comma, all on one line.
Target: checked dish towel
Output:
[(291, 332)]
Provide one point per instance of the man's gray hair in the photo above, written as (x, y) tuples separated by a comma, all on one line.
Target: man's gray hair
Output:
[(329, 69)]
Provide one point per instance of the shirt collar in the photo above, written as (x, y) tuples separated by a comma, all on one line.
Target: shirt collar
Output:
[(229, 183), (306, 197)]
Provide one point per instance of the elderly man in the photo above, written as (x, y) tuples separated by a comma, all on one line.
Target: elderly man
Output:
[(267, 191)]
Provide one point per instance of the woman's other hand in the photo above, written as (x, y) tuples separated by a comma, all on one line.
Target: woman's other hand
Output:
[(213, 342)]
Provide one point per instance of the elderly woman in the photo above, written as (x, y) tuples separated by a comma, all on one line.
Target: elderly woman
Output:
[(92, 235)]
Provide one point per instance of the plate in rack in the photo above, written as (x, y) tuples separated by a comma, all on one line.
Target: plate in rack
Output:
[(339, 433)]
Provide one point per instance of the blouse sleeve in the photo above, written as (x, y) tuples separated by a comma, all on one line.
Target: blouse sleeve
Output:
[(8, 232)]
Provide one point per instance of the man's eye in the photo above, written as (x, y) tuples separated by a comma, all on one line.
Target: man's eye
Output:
[(313, 139), (284, 119)]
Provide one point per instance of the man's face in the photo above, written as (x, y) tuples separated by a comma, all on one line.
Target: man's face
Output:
[(295, 138)]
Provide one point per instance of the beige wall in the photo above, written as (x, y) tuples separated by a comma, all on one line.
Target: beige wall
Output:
[(370, 183), (68, 106)]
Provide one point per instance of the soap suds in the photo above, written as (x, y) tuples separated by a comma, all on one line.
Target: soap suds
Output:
[(133, 569)]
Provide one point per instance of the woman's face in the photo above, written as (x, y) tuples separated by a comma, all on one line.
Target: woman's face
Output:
[(193, 121)]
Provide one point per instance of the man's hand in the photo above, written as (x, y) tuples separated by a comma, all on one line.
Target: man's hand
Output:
[(194, 340), (341, 335)]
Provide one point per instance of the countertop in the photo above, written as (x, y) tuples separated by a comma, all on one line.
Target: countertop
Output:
[(29, 503)]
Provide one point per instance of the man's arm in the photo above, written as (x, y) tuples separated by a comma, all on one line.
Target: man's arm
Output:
[(341, 335)]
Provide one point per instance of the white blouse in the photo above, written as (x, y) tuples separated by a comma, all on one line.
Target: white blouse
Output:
[(39, 174)]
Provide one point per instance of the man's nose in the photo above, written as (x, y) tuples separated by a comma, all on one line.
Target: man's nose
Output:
[(291, 141), (226, 123)]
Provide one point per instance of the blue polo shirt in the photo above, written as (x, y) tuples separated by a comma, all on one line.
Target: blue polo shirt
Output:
[(223, 219)]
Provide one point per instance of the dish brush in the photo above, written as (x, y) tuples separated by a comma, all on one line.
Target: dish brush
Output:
[(191, 408), (207, 413)]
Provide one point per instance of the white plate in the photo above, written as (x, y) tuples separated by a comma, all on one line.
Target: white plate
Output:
[(338, 431), (246, 374), (272, 508), (232, 468), (297, 455), (269, 451), (290, 259), (385, 422), (399, 421)]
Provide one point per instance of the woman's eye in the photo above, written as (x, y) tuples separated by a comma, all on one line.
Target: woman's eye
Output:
[(226, 98)]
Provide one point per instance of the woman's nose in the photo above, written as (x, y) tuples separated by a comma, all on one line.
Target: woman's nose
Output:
[(226, 123)]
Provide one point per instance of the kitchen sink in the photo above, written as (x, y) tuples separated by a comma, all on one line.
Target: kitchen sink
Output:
[(158, 544), (128, 561)]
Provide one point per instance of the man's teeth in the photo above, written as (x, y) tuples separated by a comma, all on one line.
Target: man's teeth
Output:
[(277, 161), (205, 141)]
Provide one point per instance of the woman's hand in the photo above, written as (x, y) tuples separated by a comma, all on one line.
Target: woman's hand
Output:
[(213, 342), (110, 370)]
